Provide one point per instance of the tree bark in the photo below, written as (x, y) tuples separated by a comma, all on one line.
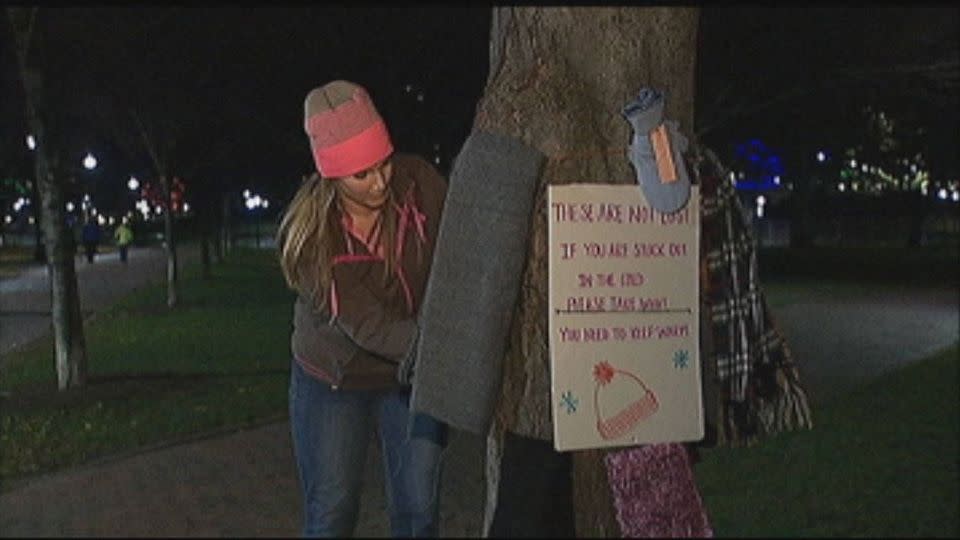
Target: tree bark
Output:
[(226, 239), (39, 251), (559, 77), (205, 236), (69, 343), (170, 241), (218, 238)]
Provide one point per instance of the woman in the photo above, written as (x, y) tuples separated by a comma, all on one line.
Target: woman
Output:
[(356, 244)]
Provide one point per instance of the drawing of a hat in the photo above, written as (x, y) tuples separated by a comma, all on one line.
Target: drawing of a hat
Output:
[(621, 401)]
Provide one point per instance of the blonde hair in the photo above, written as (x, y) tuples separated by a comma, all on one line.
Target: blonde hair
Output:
[(308, 232)]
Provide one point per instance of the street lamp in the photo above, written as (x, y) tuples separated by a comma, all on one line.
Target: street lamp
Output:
[(133, 183), (89, 162)]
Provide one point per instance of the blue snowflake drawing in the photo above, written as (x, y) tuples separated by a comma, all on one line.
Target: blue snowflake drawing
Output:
[(680, 359), (569, 402)]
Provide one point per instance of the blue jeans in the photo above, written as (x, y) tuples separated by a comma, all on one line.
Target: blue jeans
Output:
[(331, 432)]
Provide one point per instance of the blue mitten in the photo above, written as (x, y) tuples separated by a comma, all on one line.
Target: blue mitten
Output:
[(645, 113)]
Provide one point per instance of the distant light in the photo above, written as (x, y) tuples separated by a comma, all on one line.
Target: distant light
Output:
[(90, 162), (853, 164), (101, 220), (157, 210), (864, 168), (86, 197), (742, 176), (265, 203), (111, 220), (913, 168), (760, 211), (93, 211), (955, 196), (942, 194), (246, 194), (436, 146), (70, 206), (420, 97), (31, 142), (408, 88), (133, 183), (186, 207), (8, 219), (842, 187), (761, 200), (250, 203), (436, 159), (821, 157), (776, 180)]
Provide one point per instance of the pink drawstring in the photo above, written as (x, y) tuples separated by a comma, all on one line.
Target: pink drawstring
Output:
[(334, 301)]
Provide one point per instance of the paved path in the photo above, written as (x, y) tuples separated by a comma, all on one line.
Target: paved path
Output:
[(244, 484), (241, 484), (839, 344), (25, 299)]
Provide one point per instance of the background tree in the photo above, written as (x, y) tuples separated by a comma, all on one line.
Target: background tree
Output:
[(150, 91), (558, 80), (28, 29), (817, 84)]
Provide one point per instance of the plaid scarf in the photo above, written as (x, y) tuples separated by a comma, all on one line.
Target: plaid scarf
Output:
[(759, 391)]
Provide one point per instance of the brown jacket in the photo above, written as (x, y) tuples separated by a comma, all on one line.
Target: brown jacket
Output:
[(367, 328)]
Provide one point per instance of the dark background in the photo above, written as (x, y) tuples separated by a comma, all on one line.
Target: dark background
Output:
[(795, 78)]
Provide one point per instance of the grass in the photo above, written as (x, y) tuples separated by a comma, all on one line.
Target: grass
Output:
[(790, 275), (219, 360), (919, 266), (879, 462)]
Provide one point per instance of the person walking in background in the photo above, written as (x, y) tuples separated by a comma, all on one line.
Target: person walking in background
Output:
[(123, 235), (356, 243), (90, 235)]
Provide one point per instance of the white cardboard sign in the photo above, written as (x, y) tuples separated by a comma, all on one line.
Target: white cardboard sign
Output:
[(624, 318)]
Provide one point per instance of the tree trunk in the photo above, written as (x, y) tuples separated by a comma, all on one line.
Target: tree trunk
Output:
[(39, 251), (205, 235), (559, 77), (171, 243), (217, 233), (226, 231), (69, 343), (919, 207)]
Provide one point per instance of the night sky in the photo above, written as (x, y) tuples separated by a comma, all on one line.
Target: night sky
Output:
[(241, 74)]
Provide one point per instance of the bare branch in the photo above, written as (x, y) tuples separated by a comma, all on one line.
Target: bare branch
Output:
[(147, 142)]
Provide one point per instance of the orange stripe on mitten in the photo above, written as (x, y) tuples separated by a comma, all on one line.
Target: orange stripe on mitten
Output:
[(666, 168)]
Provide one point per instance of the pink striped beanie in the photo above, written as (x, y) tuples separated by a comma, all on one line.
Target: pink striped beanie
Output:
[(347, 134)]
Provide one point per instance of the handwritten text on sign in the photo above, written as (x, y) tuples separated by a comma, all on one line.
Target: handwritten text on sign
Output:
[(624, 308)]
